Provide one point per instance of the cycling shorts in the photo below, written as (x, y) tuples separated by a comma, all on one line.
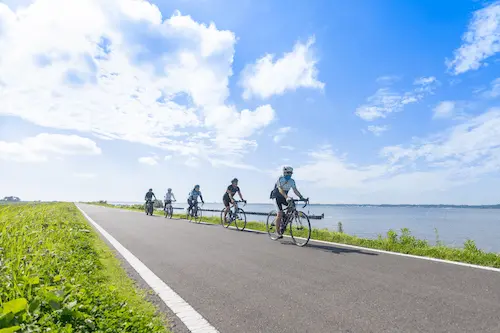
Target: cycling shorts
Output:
[(280, 201)]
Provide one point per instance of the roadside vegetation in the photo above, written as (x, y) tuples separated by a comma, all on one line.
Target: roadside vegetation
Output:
[(401, 242), (57, 275)]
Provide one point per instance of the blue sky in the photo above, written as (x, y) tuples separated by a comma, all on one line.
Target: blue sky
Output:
[(370, 102)]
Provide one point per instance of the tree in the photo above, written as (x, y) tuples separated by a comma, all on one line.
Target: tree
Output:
[(11, 199)]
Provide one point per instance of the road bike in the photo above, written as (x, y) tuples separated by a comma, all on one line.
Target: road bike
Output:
[(195, 213), (236, 215), (296, 221), (169, 210), (149, 207)]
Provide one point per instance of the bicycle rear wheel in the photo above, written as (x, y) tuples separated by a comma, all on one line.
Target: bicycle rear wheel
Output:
[(241, 220), (271, 225), (225, 222), (300, 229)]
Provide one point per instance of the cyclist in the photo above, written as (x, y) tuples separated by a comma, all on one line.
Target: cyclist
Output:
[(280, 195), (149, 195), (168, 198), (193, 197), (229, 195)]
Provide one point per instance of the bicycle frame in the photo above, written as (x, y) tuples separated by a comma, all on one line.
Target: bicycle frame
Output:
[(291, 210), (233, 208)]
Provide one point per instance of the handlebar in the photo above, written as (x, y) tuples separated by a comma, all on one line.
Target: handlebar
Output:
[(306, 200), (237, 201)]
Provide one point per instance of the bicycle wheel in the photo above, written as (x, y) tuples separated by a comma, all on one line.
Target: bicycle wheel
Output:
[(227, 221), (170, 212), (198, 215), (271, 225), (240, 220), (300, 229)]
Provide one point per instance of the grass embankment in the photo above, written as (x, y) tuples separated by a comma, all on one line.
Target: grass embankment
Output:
[(57, 275), (403, 242)]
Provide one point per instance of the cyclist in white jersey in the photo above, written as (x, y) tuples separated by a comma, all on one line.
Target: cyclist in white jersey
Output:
[(168, 198), (280, 194)]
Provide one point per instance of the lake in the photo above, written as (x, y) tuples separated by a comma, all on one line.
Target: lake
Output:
[(454, 225)]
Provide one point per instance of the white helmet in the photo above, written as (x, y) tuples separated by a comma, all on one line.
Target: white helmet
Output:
[(287, 169)]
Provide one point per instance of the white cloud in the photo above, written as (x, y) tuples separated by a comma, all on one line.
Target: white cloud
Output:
[(281, 133), (117, 70), (149, 160), (378, 130), (387, 79), (168, 157), (288, 147), (296, 69), (494, 90), (481, 41), (43, 146), (444, 109), (386, 101)]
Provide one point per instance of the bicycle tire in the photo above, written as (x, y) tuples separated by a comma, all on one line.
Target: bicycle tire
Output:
[(222, 222), (271, 230), (199, 215), (302, 236), (240, 225)]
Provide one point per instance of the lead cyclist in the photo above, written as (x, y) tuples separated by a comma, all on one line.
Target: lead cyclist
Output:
[(283, 186)]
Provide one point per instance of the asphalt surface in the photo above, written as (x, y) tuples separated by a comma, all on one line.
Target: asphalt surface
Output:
[(244, 282)]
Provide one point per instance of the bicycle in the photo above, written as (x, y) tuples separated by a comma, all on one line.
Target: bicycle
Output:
[(234, 216), (195, 213), (169, 210), (300, 227), (149, 207)]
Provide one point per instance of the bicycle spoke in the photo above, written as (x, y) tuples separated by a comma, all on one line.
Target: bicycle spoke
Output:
[(240, 219), (300, 229), (271, 225)]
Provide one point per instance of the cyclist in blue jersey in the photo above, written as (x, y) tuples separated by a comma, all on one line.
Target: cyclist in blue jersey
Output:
[(280, 195), (193, 197)]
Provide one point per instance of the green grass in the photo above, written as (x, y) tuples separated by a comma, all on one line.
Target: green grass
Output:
[(402, 242), (57, 275)]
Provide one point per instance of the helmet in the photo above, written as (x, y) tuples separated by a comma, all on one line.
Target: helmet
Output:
[(287, 170), (235, 180), (150, 190), (169, 190), (196, 186)]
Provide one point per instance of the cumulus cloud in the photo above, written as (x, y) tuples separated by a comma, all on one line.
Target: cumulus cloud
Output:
[(481, 41), (268, 77), (386, 101), (119, 70), (42, 147)]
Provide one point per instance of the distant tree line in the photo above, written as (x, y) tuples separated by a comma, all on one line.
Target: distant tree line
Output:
[(11, 199)]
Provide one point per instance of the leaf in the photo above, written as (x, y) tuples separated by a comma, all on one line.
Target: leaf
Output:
[(71, 305), (15, 306), (57, 278), (10, 329), (90, 324), (34, 280), (6, 319), (55, 304), (35, 305)]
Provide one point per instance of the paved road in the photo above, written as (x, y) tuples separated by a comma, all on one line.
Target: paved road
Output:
[(244, 282)]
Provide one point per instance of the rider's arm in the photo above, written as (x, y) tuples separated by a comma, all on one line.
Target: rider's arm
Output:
[(241, 196), (228, 191), (173, 196), (296, 191), (201, 197)]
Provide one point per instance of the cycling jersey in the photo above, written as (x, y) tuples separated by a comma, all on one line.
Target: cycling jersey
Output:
[(193, 195), (149, 195), (286, 185), (169, 196), (233, 189)]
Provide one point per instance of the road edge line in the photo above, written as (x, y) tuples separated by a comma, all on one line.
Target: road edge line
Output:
[(194, 321)]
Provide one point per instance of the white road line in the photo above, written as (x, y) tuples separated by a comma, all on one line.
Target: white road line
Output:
[(189, 316), (493, 269)]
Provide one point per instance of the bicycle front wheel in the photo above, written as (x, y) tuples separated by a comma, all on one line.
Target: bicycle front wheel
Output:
[(300, 229), (271, 225), (241, 219), (198, 215)]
